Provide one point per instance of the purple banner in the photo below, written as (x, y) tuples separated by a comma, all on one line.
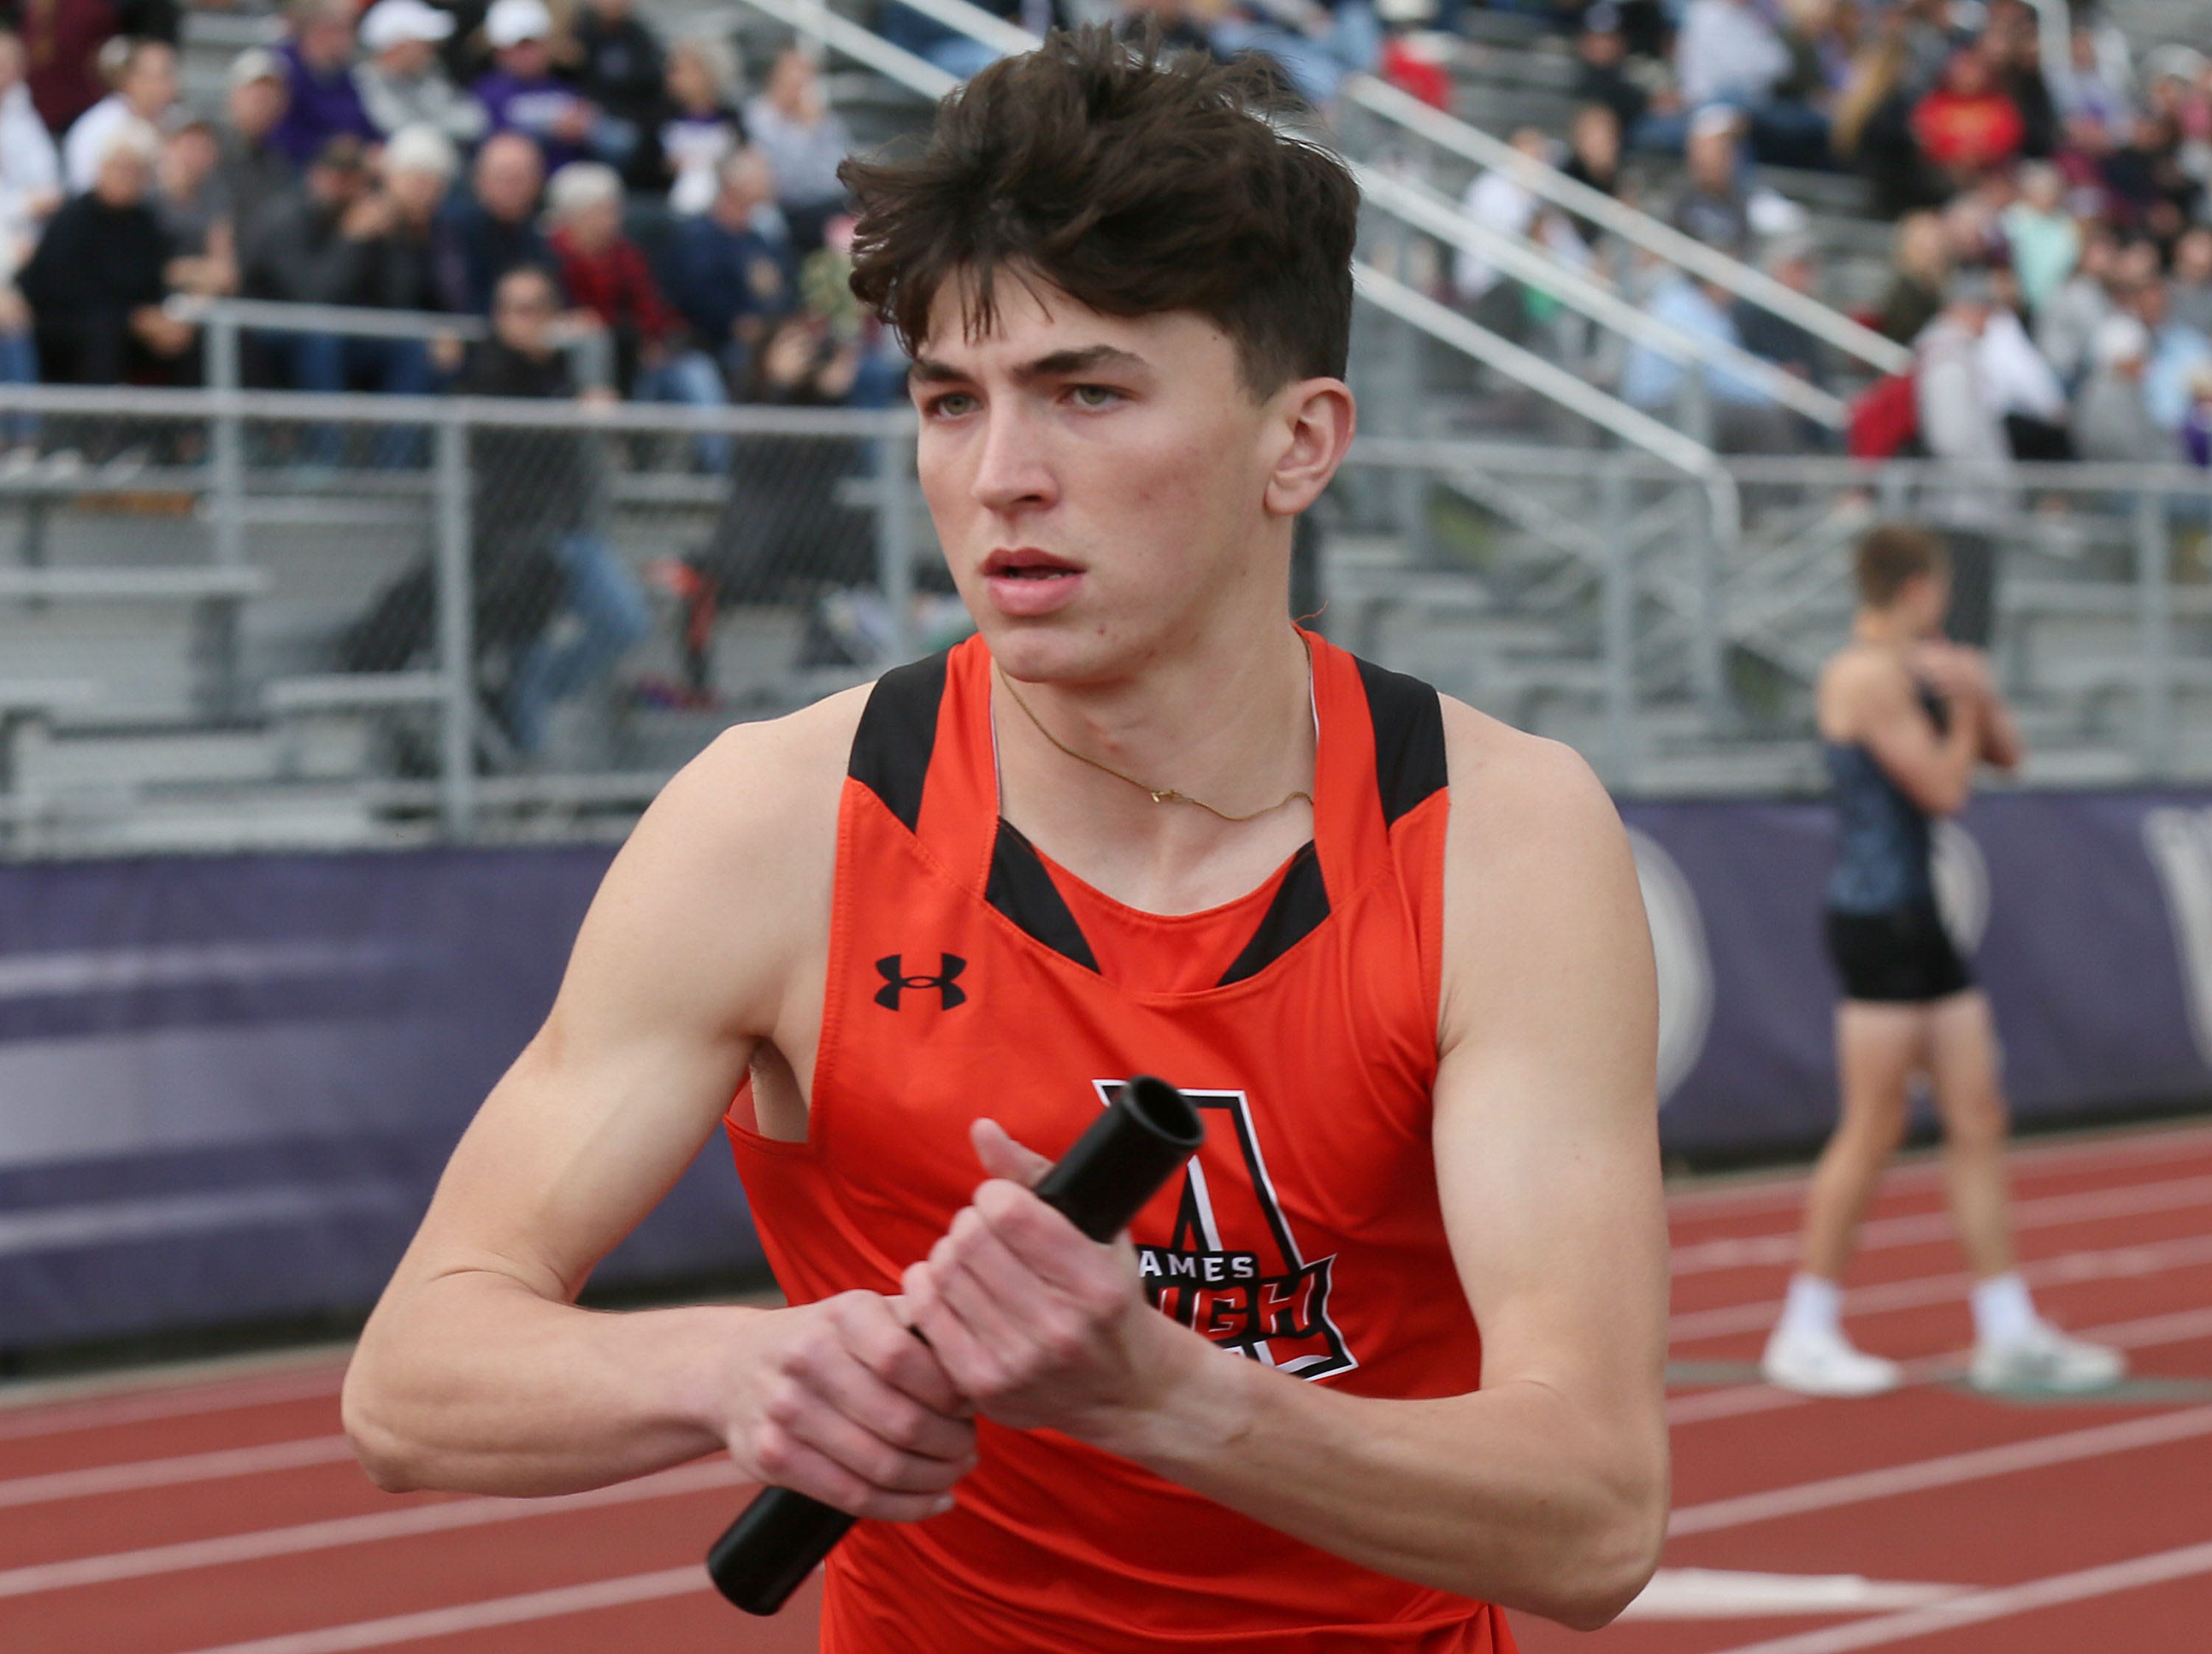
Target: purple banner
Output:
[(227, 1086), (2088, 918)]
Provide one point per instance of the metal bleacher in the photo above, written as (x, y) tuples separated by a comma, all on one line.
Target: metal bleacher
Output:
[(169, 611)]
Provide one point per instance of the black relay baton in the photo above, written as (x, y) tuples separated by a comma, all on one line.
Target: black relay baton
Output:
[(1099, 1185)]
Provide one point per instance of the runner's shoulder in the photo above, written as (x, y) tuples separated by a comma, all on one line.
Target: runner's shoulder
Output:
[(1507, 783), (758, 808)]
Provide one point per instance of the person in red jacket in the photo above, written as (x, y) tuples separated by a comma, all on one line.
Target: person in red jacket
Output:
[(1969, 123), (605, 275)]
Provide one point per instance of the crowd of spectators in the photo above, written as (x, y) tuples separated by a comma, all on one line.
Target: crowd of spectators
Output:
[(407, 155), (2058, 221)]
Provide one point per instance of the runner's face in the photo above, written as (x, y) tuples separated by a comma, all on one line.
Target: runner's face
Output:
[(1096, 481)]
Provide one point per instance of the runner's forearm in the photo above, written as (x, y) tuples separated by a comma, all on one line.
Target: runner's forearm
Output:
[(471, 1382), (1514, 1495)]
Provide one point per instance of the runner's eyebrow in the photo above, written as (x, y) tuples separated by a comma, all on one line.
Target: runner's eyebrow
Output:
[(928, 370)]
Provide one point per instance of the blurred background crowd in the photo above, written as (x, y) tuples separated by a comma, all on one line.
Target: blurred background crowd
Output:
[(625, 204)]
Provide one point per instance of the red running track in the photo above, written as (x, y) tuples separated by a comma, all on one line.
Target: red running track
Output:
[(199, 1515)]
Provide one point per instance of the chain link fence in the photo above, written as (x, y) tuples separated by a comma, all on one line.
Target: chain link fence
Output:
[(232, 619)]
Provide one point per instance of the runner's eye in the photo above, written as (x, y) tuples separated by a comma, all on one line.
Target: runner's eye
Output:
[(951, 406), (1095, 396)]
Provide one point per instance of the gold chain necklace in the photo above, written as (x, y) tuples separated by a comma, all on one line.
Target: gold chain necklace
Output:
[(1160, 795)]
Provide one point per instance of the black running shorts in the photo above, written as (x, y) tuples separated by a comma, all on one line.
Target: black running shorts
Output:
[(1901, 956)]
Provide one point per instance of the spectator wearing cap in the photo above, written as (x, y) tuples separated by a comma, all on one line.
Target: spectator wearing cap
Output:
[(731, 275), (2111, 423), (1962, 425), (495, 224), (620, 68), (255, 174), (392, 251), (403, 83), (806, 142), (1968, 125), (1714, 206), (701, 129), (145, 73), (522, 95), (96, 285), (323, 102), (606, 275), (65, 43)]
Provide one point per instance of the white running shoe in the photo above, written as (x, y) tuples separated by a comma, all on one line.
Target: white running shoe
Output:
[(2046, 1359), (1825, 1363)]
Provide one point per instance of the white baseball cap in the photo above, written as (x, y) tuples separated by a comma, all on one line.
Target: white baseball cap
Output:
[(389, 23), (510, 22)]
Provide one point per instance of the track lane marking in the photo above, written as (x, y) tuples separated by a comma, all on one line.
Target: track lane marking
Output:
[(2104, 1263), (2045, 1212), (215, 1466), (2051, 1160), (2113, 1577), (221, 1396), (443, 1517), (1950, 1470), (477, 1616), (2182, 1327)]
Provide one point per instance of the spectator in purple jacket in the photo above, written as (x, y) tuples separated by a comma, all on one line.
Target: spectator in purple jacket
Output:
[(318, 71), (522, 93)]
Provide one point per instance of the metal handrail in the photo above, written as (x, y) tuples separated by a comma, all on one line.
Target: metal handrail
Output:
[(351, 321), (1425, 210), (1446, 326), (1388, 103), (1381, 99)]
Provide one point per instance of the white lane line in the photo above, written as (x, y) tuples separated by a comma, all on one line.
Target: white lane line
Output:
[(225, 1395), (1949, 1471), (1724, 1594), (476, 1616), (173, 1472), (2110, 1580), (443, 1517), (2109, 1263), (2183, 1326), (2049, 1211), (2039, 1159)]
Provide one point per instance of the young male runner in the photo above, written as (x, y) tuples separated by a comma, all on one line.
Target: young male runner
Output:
[(1394, 949), (1905, 720)]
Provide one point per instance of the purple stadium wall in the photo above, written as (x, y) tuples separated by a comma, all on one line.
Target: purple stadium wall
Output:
[(227, 1085)]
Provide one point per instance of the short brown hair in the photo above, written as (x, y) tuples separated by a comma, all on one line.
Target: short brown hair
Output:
[(1135, 182), (1891, 555)]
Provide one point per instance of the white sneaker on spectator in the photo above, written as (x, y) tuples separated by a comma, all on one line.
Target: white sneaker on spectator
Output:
[(1825, 1363), (2045, 1359)]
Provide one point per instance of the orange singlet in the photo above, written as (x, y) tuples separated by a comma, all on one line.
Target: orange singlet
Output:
[(968, 976)]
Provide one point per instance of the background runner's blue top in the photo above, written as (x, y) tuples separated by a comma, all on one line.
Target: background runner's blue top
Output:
[(1883, 839)]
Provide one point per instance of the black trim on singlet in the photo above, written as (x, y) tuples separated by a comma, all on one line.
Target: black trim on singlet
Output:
[(897, 732), (1301, 903), (1021, 889), (1409, 739)]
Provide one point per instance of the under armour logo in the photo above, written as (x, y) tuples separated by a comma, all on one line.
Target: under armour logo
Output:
[(896, 982)]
